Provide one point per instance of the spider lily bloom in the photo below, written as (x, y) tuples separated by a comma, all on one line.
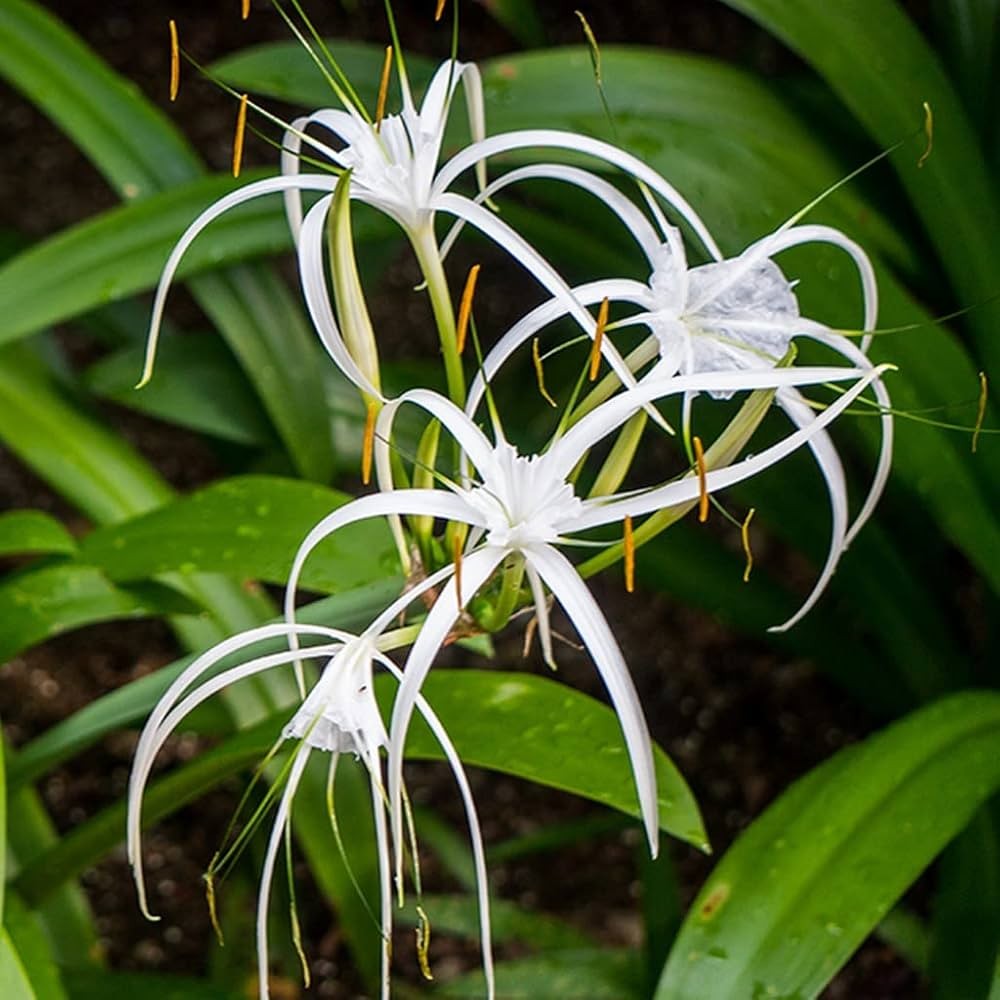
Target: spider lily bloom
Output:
[(738, 314), (339, 715), (522, 508)]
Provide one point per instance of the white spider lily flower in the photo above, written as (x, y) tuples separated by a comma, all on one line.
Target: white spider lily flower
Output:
[(393, 167), (737, 314), (339, 715), (526, 506)]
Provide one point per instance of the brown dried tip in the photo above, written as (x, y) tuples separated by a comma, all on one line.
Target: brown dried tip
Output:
[(368, 444), (383, 87), (699, 459), (241, 127), (175, 61), (465, 308), (629, 543), (439, 10), (595, 350)]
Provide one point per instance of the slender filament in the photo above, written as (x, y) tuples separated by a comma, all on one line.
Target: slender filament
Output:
[(383, 88), (536, 358)]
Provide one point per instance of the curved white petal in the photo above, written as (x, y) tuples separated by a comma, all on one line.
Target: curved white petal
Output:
[(581, 608), (523, 252), (617, 289), (314, 287), (687, 489), (833, 475), (571, 141), (472, 818), (477, 568), (606, 418), (541, 613), (257, 189), (281, 821)]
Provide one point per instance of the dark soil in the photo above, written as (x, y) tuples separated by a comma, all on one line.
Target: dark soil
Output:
[(740, 720)]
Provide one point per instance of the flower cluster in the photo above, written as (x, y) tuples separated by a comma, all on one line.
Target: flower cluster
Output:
[(719, 328)]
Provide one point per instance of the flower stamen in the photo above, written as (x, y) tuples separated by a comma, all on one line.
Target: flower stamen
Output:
[(536, 359), (175, 61), (456, 558), (244, 9), (981, 411), (747, 551), (241, 126), (465, 308), (699, 461), (629, 544), (383, 88), (423, 932), (595, 350), (929, 132), (368, 443)]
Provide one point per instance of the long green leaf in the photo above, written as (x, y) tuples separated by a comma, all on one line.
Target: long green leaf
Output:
[(515, 737), (248, 527), (99, 984), (25, 952), (14, 981), (881, 67), (45, 602), (33, 531), (804, 885), (139, 152)]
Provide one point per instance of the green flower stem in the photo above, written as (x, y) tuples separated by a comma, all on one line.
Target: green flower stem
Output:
[(509, 598), (429, 258)]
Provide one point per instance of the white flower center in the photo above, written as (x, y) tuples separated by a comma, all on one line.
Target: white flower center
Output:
[(341, 714), (522, 501)]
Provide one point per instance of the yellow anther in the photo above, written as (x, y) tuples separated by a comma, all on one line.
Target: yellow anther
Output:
[(465, 307), (929, 132), (245, 9), (383, 88), (175, 61), (747, 551), (981, 412), (241, 127), (595, 49), (536, 358), (368, 444), (440, 10), (595, 350), (424, 944), (699, 459), (456, 558), (629, 543), (213, 913)]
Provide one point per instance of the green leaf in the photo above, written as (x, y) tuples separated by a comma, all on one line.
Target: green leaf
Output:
[(520, 18), (45, 602), (26, 955), (34, 531), (121, 252), (248, 527), (99, 984), (881, 67), (964, 947), (579, 974), (804, 885), (196, 386)]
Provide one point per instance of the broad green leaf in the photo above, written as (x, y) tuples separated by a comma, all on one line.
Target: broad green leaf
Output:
[(3, 823), (34, 531), (196, 386), (579, 974), (131, 703), (509, 922), (881, 67), (14, 981), (139, 152), (32, 954), (806, 882), (121, 252), (515, 736), (41, 603), (964, 946), (248, 527), (99, 984)]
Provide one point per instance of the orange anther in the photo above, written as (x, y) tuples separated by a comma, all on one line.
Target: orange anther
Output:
[(440, 10), (629, 543), (175, 61), (699, 458), (368, 444), (383, 87), (456, 558), (465, 307), (245, 9), (595, 351), (241, 126)]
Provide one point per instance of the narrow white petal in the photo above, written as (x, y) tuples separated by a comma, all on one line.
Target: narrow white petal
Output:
[(581, 608), (571, 141), (687, 489), (267, 874), (383, 850), (541, 613)]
